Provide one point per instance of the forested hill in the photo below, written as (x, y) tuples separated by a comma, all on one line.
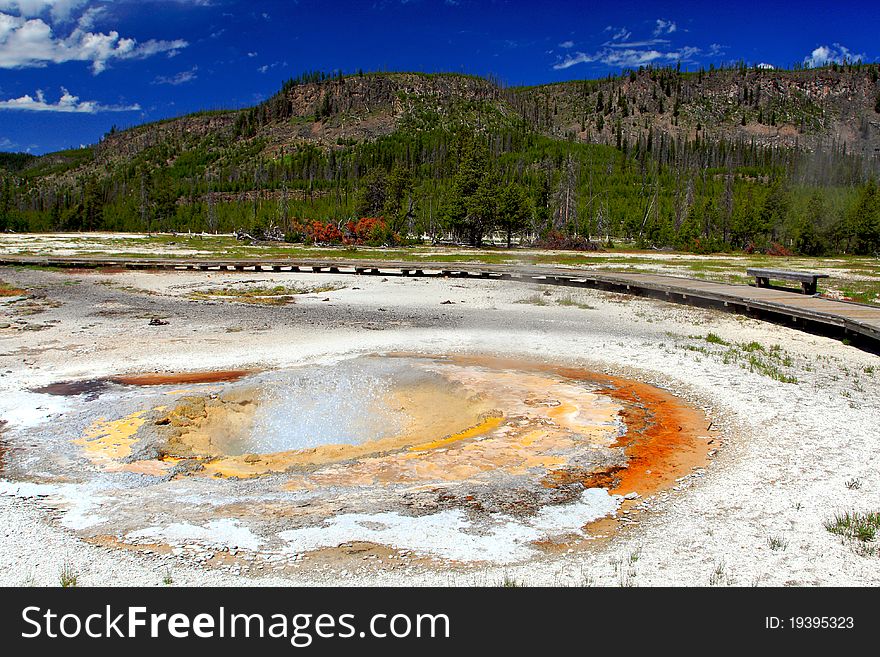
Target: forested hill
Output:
[(832, 107), (731, 158)]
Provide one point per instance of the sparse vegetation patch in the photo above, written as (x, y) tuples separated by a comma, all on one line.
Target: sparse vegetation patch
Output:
[(7, 290), (768, 361), (278, 295), (858, 528)]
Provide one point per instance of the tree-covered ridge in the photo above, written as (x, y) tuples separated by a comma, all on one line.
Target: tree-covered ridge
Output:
[(459, 157), (789, 108), (15, 161)]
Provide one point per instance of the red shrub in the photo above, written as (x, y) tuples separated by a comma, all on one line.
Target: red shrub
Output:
[(776, 249), (323, 233), (363, 229), (371, 230), (773, 249)]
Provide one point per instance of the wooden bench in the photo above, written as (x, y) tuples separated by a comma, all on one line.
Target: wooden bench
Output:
[(805, 278)]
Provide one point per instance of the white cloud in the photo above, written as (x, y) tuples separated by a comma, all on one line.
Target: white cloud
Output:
[(267, 67), (60, 10), (567, 44), (664, 27), (621, 51), (636, 44), (573, 60), (618, 33), (181, 78), (628, 57), (68, 103), (834, 54), (765, 66), (31, 42), (6, 144), (89, 17)]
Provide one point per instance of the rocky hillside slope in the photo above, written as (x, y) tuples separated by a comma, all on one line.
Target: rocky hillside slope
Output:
[(806, 109), (835, 107)]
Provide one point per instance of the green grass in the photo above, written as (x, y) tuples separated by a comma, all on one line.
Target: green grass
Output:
[(860, 291), (276, 296), (68, 577), (546, 299), (38, 268), (761, 366), (860, 528), (767, 361), (777, 544), (510, 583), (719, 575), (534, 300), (7, 290), (569, 302)]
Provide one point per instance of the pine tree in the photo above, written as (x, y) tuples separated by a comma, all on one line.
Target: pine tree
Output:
[(513, 210), (807, 238), (483, 208), (164, 201), (93, 205), (465, 210), (865, 221), (398, 198), (774, 211), (5, 202), (371, 194)]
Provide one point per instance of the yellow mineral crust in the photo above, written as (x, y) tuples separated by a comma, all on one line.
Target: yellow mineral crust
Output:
[(463, 422), (529, 436), (107, 442)]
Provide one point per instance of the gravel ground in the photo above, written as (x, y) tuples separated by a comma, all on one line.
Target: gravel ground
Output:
[(792, 454)]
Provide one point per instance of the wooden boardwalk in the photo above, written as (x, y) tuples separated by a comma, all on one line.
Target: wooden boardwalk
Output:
[(857, 322)]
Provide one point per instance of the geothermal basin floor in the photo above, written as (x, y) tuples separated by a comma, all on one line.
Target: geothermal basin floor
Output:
[(791, 433)]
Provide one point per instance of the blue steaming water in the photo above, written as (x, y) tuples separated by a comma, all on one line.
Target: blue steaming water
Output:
[(339, 403)]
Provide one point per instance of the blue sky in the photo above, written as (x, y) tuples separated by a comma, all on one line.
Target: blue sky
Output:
[(71, 69)]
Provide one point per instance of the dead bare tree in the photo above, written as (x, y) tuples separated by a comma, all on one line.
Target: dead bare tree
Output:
[(566, 213)]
